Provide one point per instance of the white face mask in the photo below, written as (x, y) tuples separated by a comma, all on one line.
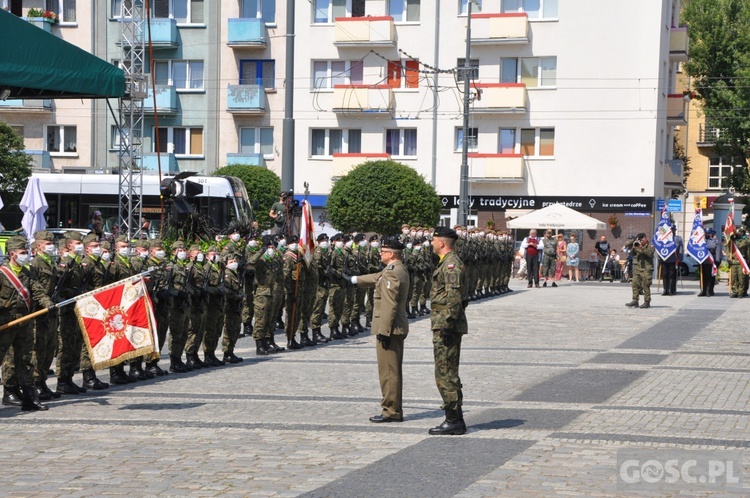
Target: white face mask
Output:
[(233, 266), (405, 231), (235, 237), (417, 248), (159, 254), (96, 251), (339, 244), (375, 244), (78, 249), (123, 251), (49, 249), (324, 244), (409, 245), (426, 243), (282, 243), (181, 255), (270, 252), (200, 257), (349, 244), (293, 247), (413, 234), (106, 256), (143, 254), (215, 258), (22, 259), (419, 233), (252, 243), (362, 243)]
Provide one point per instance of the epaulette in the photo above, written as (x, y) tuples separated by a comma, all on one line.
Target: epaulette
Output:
[(390, 266)]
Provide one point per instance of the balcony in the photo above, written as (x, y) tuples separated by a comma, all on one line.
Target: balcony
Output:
[(367, 99), (364, 32), (678, 44), (245, 159), (500, 168), (246, 99), (40, 22), (343, 163), (677, 109), (163, 34), (500, 29), (168, 163), (247, 33), (26, 105), (707, 135), (166, 100), (41, 159), (674, 173), (500, 98)]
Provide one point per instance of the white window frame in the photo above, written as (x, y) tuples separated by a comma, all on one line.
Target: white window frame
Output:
[(328, 87), (61, 139), (463, 7), (722, 167), (404, 11), (506, 8), (327, 142), (259, 11), (519, 69), (516, 143), (58, 7), (170, 72), (458, 138), (189, 8), (170, 140), (537, 141), (329, 14), (401, 140), (258, 144), (114, 139)]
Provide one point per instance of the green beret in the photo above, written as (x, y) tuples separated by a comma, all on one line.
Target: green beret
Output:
[(106, 245), (92, 237), (15, 243), (195, 247), (43, 235), (142, 243), (122, 238), (73, 235), (155, 243), (212, 249), (178, 244)]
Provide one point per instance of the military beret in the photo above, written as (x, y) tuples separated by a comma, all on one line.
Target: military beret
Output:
[(292, 239), (359, 237), (122, 238), (346, 237), (106, 245), (268, 240), (392, 243), (374, 238), (92, 237), (43, 235), (322, 237), (212, 249), (194, 247), (73, 235), (405, 225), (178, 244), (155, 243), (445, 232), (16, 243), (142, 243), (640, 236), (336, 237)]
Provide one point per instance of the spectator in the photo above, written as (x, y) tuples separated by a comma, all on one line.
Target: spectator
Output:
[(520, 262), (562, 256), (548, 257), (530, 247), (708, 280), (97, 224), (571, 251), (602, 249), (612, 265), (278, 213), (670, 266)]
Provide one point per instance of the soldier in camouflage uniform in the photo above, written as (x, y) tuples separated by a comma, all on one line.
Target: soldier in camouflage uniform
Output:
[(44, 271), (232, 307), (737, 278), (195, 288), (417, 261), (429, 262), (448, 325), (158, 288), (294, 275), (351, 268), (20, 294), (321, 262), (336, 286), (214, 316), (361, 253), (278, 291), (179, 303), (373, 267), (122, 267), (643, 269), (306, 298), (261, 258)]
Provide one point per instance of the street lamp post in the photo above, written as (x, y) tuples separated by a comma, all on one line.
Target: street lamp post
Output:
[(463, 193)]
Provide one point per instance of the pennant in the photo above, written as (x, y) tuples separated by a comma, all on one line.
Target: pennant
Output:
[(307, 232), (728, 231), (663, 239), (117, 322), (696, 246)]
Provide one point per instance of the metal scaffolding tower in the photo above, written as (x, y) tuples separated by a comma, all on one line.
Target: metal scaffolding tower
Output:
[(132, 41)]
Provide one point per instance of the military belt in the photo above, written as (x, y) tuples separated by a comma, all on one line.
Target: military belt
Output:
[(440, 307)]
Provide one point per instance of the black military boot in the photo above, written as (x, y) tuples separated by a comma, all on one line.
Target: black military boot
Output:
[(292, 343), (280, 324), (305, 338), (90, 381), (194, 362), (212, 360), (117, 376), (67, 386), (410, 313), (177, 366), (152, 367), (318, 337), (453, 424), (138, 373), (260, 348), (359, 326), (12, 396), (633, 303), (335, 334), (248, 329), (29, 402), (424, 309), (45, 393), (276, 347), (230, 357)]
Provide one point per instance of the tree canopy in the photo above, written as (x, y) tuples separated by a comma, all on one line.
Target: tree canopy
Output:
[(719, 66), (379, 196), (15, 165), (263, 186)]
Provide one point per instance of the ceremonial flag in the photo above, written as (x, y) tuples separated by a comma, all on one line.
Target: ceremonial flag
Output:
[(729, 225), (117, 322), (696, 246), (663, 240), (728, 231), (307, 232)]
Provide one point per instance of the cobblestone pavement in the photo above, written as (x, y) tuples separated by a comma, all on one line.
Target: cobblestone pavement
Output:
[(558, 382)]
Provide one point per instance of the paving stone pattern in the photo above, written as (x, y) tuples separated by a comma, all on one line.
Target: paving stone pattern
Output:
[(556, 382)]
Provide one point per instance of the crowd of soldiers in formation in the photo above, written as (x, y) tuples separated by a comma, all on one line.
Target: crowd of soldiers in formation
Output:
[(237, 287)]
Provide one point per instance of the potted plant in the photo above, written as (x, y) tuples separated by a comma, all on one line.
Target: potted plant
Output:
[(613, 221), (45, 15), (490, 224)]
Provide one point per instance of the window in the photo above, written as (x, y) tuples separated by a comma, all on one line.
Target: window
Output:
[(404, 10), (535, 9), (259, 9), (327, 74), (473, 64), (257, 141), (258, 72), (535, 142), (327, 142), (183, 75), (719, 170), (463, 6), (182, 11), (401, 141), (473, 138), (62, 139), (180, 141), (507, 141), (65, 9), (328, 10), (115, 138), (403, 74), (533, 71)]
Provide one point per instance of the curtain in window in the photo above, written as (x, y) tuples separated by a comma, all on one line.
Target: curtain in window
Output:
[(320, 74), (196, 75), (161, 72), (527, 142), (53, 138), (266, 141), (509, 70), (550, 8), (355, 141), (530, 71), (163, 142), (196, 141), (392, 141), (179, 140), (410, 142), (196, 11), (355, 73), (180, 74), (160, 8), (70, 136), (547, 142), (335, 142), (69, 11), (247, 140), (413, 10), (549, 71), (268, 74), (339, 9), (412, 74), (318, 143), (338, 73)]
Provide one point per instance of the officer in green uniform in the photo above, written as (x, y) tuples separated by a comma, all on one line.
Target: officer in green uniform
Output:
[(214, 319), (336, 286), (179, 304), (261, 259), (195, 287), (322, 265), (233, 297), (20, 294), (448, 324), (306, 296), (643, 269), (294, 276)]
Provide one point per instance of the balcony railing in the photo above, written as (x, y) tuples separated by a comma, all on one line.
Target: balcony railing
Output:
[(507, 168), (371, 99), (364, 32), (500, 29), (40, 22), (707, 135), (166, 100), (26, 105), (245, 159), (674, 172), (677, 107), (168, 162), (41, 159), (246, 99), (247, 33), (163, 34), (500, 98), (679, 43), (343, 163)]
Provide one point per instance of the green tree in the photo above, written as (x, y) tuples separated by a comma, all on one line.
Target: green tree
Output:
[(15, 165), (263, 186), (719, 66), (379, 196)]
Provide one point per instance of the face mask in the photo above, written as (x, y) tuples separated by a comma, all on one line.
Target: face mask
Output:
[(292, 247), (426, 243), (181, 255), (324, 244), (78, 249), (375, 245), (252, 243), (123, 251), (106, 256), (349, 244), (96, 251), (160, 254), (270, 252), (235, 237), (413, 234), (233, 266), (354, 234), (282, 243), (49, 249), (200, 257), (419, 233), (409, 245), (143, 254), (405, 232), (22, 259), (417, 248), (339, 244), (215, 258), (362, 243)]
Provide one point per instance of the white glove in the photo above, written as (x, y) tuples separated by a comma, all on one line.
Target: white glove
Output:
[(354, 280)]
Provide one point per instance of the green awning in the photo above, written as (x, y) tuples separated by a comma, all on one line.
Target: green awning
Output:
[(35, 64)]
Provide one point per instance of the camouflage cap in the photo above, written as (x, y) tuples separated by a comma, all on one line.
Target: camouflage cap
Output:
[(178, 244), (155, 243), (92, 237), (43, 235), (194, 247), (73, 235), (122, 238), (142, 243), (16, 243), (211, 249), (106, 245)]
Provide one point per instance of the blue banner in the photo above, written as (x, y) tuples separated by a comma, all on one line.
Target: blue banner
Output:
[(696, 246), (663, 240)]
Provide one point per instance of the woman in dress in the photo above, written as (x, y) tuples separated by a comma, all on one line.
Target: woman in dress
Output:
[(562, 255), (571, 252)]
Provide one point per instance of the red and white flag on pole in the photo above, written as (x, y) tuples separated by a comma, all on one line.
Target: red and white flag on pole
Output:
[(728, 231), (117, 322), (307, 232)]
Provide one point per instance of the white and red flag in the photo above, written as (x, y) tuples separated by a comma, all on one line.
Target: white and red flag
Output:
[(117, 322), (307, 232), (728, 231)]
